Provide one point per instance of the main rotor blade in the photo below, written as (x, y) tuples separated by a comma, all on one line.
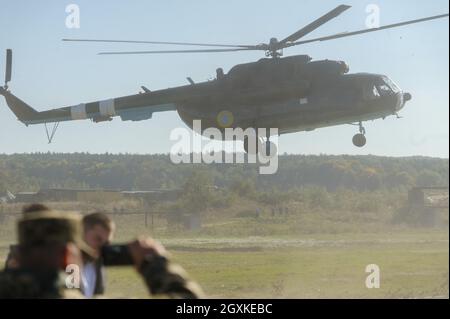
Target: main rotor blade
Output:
[(161, 42), (176, 51), (349, 34), (314, 25)]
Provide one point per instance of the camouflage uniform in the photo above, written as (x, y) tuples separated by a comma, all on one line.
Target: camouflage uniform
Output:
[(42, 228)]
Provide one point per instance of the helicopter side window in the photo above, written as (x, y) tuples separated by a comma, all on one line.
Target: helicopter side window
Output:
[(371, 92), (375, 92)]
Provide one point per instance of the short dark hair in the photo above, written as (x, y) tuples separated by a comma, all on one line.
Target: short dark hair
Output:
[(98, 218), (33, 208)]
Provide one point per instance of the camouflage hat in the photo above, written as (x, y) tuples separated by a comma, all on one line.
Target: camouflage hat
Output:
[(52, 227)]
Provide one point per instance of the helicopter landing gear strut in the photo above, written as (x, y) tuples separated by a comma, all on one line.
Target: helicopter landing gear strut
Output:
[(260, 146), (252, 144), (271, 148), (359, 140)]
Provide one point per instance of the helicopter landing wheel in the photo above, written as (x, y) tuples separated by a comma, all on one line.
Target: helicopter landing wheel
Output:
[(359, 140)]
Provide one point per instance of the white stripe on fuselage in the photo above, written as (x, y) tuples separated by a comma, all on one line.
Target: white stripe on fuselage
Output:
[(78, 112), (107, 108)]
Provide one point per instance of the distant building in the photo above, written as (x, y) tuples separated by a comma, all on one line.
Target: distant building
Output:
[(153, 195), (26, 197), (94, 195), (78, 195), (427, 202)]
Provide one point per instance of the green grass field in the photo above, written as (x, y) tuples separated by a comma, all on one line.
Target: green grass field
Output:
[(296, 257), (412, 265)]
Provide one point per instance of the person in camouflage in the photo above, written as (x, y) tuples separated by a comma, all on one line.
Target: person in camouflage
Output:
[(49, 241), (11, 258)]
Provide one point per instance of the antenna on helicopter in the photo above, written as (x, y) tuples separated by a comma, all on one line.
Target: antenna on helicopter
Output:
[(8, 67), (190, 80)]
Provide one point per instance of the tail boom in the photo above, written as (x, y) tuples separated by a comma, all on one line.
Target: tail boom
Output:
[(130, 108)]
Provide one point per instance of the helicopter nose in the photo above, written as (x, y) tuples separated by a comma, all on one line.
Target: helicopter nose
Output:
[(402, 98), (407, 97)]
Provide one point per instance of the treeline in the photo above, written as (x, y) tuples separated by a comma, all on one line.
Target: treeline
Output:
[(30, 172)]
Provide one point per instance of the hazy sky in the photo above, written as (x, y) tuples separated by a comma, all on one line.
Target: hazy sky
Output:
[(50, 73)]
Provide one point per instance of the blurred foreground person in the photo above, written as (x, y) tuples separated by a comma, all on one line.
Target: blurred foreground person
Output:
[(98, 231), (11, 261), (50, 243)]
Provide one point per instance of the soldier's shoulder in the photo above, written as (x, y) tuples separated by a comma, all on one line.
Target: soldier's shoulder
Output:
[(17, 285), (11, 278), (4, 277)]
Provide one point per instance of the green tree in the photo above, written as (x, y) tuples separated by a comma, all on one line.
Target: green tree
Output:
[(197, 192), (428, 178)]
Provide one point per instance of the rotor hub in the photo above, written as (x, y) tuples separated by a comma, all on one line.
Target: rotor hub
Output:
[(273, 48)]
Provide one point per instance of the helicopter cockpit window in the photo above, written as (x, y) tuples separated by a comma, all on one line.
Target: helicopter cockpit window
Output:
[(386, 87), (391, 84)]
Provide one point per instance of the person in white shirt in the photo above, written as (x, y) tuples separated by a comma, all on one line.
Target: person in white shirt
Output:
[(98, 232)]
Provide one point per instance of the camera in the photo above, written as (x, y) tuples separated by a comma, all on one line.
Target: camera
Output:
[(116, 255)]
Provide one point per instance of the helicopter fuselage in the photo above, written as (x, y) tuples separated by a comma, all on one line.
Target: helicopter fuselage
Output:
[(307, 96)]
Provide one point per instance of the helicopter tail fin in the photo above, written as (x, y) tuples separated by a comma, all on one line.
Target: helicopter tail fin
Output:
[(23, 111)]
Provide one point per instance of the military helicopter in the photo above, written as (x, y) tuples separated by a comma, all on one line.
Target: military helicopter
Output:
[(291, 94)]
